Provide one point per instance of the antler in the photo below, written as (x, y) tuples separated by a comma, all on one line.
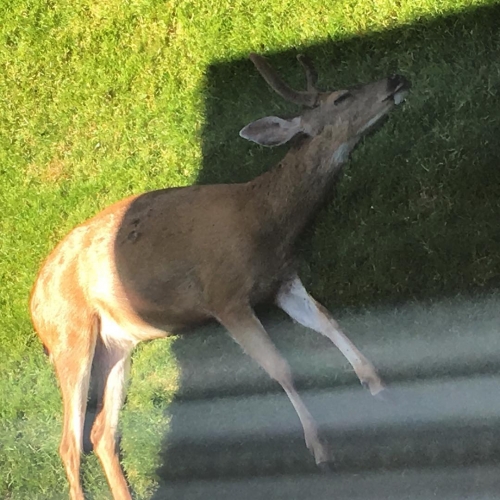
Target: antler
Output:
[(306, 98), (311, 73)]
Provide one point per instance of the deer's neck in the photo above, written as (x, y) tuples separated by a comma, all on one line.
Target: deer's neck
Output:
[(289, 195)]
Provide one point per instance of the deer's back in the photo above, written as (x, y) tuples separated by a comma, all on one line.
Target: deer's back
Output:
[(198, 249), (172, 257)]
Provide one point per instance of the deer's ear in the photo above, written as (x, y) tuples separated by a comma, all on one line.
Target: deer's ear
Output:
[(271, 130)]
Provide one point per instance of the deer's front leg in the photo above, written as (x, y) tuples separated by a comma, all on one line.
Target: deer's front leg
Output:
[(247, 330), (300, 306)]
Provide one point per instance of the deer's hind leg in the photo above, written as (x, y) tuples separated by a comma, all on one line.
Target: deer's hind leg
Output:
[(111, 367), (73, 360)]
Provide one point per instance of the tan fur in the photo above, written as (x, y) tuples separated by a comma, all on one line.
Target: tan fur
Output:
[(153, 264)]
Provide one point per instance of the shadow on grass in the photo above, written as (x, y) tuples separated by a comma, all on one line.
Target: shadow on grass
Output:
[(416, 213)]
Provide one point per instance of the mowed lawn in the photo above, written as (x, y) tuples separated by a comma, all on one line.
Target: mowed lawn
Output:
[(99, 100)]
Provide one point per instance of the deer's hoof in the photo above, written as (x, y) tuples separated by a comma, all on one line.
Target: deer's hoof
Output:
[(373, 384), (327, 467), (387, 396)]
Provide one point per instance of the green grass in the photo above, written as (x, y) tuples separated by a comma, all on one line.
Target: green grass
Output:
[(99, 100)]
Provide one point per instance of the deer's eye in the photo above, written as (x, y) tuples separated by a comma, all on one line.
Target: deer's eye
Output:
[(343, 97)]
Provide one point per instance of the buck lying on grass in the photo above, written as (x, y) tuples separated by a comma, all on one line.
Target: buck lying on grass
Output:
[(155, 263)]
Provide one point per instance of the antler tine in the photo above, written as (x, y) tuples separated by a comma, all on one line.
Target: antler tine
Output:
[(311, 73), (272, 78)]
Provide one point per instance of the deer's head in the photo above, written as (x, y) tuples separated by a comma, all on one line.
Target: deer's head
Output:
[(340, 117)]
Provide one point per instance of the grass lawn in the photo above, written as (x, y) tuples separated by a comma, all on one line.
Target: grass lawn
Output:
[(99, 100)]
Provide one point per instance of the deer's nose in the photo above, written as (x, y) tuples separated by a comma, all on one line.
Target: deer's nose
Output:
[(396, 82)]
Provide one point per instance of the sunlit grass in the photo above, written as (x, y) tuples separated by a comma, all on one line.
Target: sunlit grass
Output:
[(99, 100)]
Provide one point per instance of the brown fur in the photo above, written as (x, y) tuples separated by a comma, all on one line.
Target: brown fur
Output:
[(153, 264)]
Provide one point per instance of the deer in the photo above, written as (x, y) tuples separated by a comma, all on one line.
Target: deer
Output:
[(158, 263)]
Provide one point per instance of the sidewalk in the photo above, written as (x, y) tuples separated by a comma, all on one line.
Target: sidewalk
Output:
[(472, 483), (451, 338), (237, 429)]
